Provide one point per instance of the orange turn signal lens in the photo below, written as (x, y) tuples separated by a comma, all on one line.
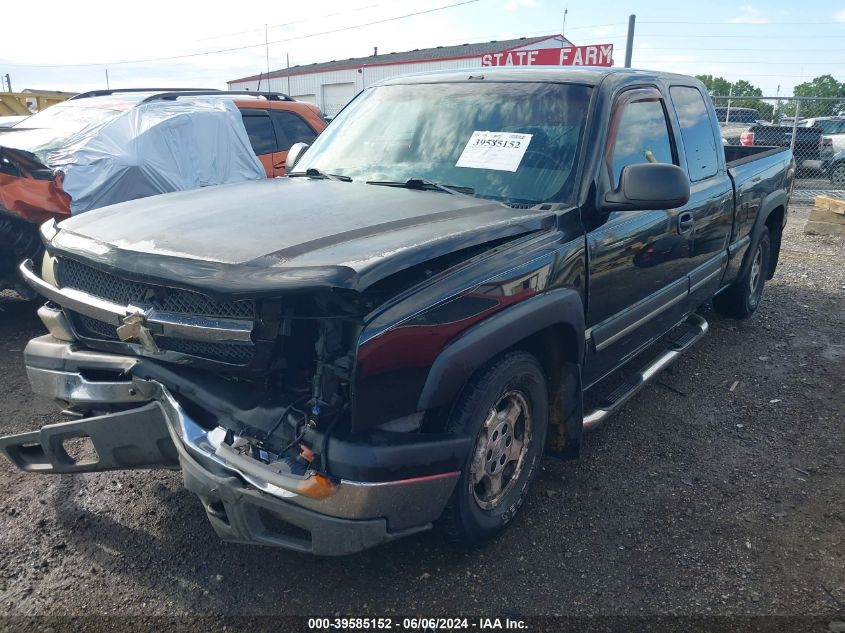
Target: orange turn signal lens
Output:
[(317, 487)]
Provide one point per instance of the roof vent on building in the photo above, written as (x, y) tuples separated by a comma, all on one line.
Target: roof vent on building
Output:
[(492, 41)]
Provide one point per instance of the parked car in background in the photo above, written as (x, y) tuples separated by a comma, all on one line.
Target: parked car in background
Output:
[(274, 123), (443, 290), (812, 148), (836, 169), (10, 121), (736, 121), (109, 146), (832, 127)]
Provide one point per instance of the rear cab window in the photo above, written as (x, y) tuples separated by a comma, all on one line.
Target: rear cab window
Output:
[(697, 133)]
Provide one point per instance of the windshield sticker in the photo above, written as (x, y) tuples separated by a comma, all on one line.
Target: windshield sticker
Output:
[(502, 151)]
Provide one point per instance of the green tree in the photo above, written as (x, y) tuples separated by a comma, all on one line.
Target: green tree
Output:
[(822, 86), (715, 85), (721, 87)]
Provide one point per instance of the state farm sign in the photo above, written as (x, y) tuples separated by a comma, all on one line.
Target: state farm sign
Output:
[(594, 55)]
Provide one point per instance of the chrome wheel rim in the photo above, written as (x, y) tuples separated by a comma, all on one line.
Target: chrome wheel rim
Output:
[(500, 450), (838, 176), (756, 269)]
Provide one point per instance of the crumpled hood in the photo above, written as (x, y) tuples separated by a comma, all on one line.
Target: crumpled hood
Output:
[(285, 233)]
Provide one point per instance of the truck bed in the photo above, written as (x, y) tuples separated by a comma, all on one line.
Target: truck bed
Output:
[(736, 155)]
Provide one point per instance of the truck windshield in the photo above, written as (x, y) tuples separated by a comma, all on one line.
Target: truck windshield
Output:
[(513, 142)]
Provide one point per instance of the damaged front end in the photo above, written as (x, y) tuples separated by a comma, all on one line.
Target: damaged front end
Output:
[(251, 399)]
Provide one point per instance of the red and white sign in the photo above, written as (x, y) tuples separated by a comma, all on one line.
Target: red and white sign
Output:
[(593, 55)]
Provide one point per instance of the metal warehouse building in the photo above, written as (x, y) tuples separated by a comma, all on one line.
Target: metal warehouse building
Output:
[(331, 85)]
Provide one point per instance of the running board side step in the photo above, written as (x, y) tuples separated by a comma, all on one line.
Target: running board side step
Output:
[(697, 328)]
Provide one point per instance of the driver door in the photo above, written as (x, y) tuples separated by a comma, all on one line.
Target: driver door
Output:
[(639, 260)]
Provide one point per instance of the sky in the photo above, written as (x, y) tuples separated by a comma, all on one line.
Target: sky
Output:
[(774, 44)]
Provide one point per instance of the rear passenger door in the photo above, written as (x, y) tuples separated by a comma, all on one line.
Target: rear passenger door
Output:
[(708, 215), (262, 137), (290, 128)]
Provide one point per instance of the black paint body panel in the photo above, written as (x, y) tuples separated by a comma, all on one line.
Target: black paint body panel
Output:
[(608, 284)]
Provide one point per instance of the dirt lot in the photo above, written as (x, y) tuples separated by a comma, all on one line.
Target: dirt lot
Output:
[(719, 490)]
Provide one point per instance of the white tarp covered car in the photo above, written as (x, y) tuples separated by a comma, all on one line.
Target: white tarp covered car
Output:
[(118, 148)]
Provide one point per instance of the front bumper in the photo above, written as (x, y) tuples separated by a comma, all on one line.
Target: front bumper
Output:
[(245, 501)]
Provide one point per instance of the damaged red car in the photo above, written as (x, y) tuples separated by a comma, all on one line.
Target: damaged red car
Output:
[(109, 146)]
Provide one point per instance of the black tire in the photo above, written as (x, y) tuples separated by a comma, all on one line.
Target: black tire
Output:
[(837, 175), (19, 240), (741, 299), (475, 513)]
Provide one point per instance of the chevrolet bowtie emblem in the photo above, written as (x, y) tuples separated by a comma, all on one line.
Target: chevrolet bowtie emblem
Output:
[(134, 328)]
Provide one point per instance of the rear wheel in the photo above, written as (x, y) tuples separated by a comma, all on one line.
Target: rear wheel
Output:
[(837, 175), (505, 410), (742, 298)]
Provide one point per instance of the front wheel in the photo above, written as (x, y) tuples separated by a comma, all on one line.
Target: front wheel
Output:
[(505, 409), (742, 298)]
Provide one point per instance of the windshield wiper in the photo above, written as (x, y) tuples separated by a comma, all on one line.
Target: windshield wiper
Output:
[(311, 172), (425, 185)]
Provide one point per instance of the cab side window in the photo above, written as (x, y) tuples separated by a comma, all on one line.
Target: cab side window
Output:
[(642, 136), (696, 132)]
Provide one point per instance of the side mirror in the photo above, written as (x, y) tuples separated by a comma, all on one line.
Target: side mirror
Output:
[(294, 154), (647, 186)]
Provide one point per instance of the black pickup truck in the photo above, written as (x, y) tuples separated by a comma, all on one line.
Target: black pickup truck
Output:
[(391, 338)]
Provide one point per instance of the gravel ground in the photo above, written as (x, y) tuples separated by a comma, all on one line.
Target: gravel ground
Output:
[(719, 490)]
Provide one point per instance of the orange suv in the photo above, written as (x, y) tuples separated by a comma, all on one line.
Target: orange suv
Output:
[(275, 122), (35, 154)]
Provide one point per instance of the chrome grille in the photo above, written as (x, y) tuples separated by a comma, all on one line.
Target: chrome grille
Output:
[(92, 328), (72, 274), (234, 353)]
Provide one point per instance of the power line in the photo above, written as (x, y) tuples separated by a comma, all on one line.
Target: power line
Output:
[(729, 22), (747, 37), (240, 48), (722, 61), (302, 21)]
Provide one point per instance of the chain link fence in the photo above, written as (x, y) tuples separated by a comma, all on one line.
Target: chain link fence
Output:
[(813, 127)]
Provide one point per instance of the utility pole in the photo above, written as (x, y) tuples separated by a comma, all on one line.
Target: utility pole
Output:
[(108, 87), (563, 29), (267, 56), (730, 98), (8, 82), (287, 60), (629, 49)]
